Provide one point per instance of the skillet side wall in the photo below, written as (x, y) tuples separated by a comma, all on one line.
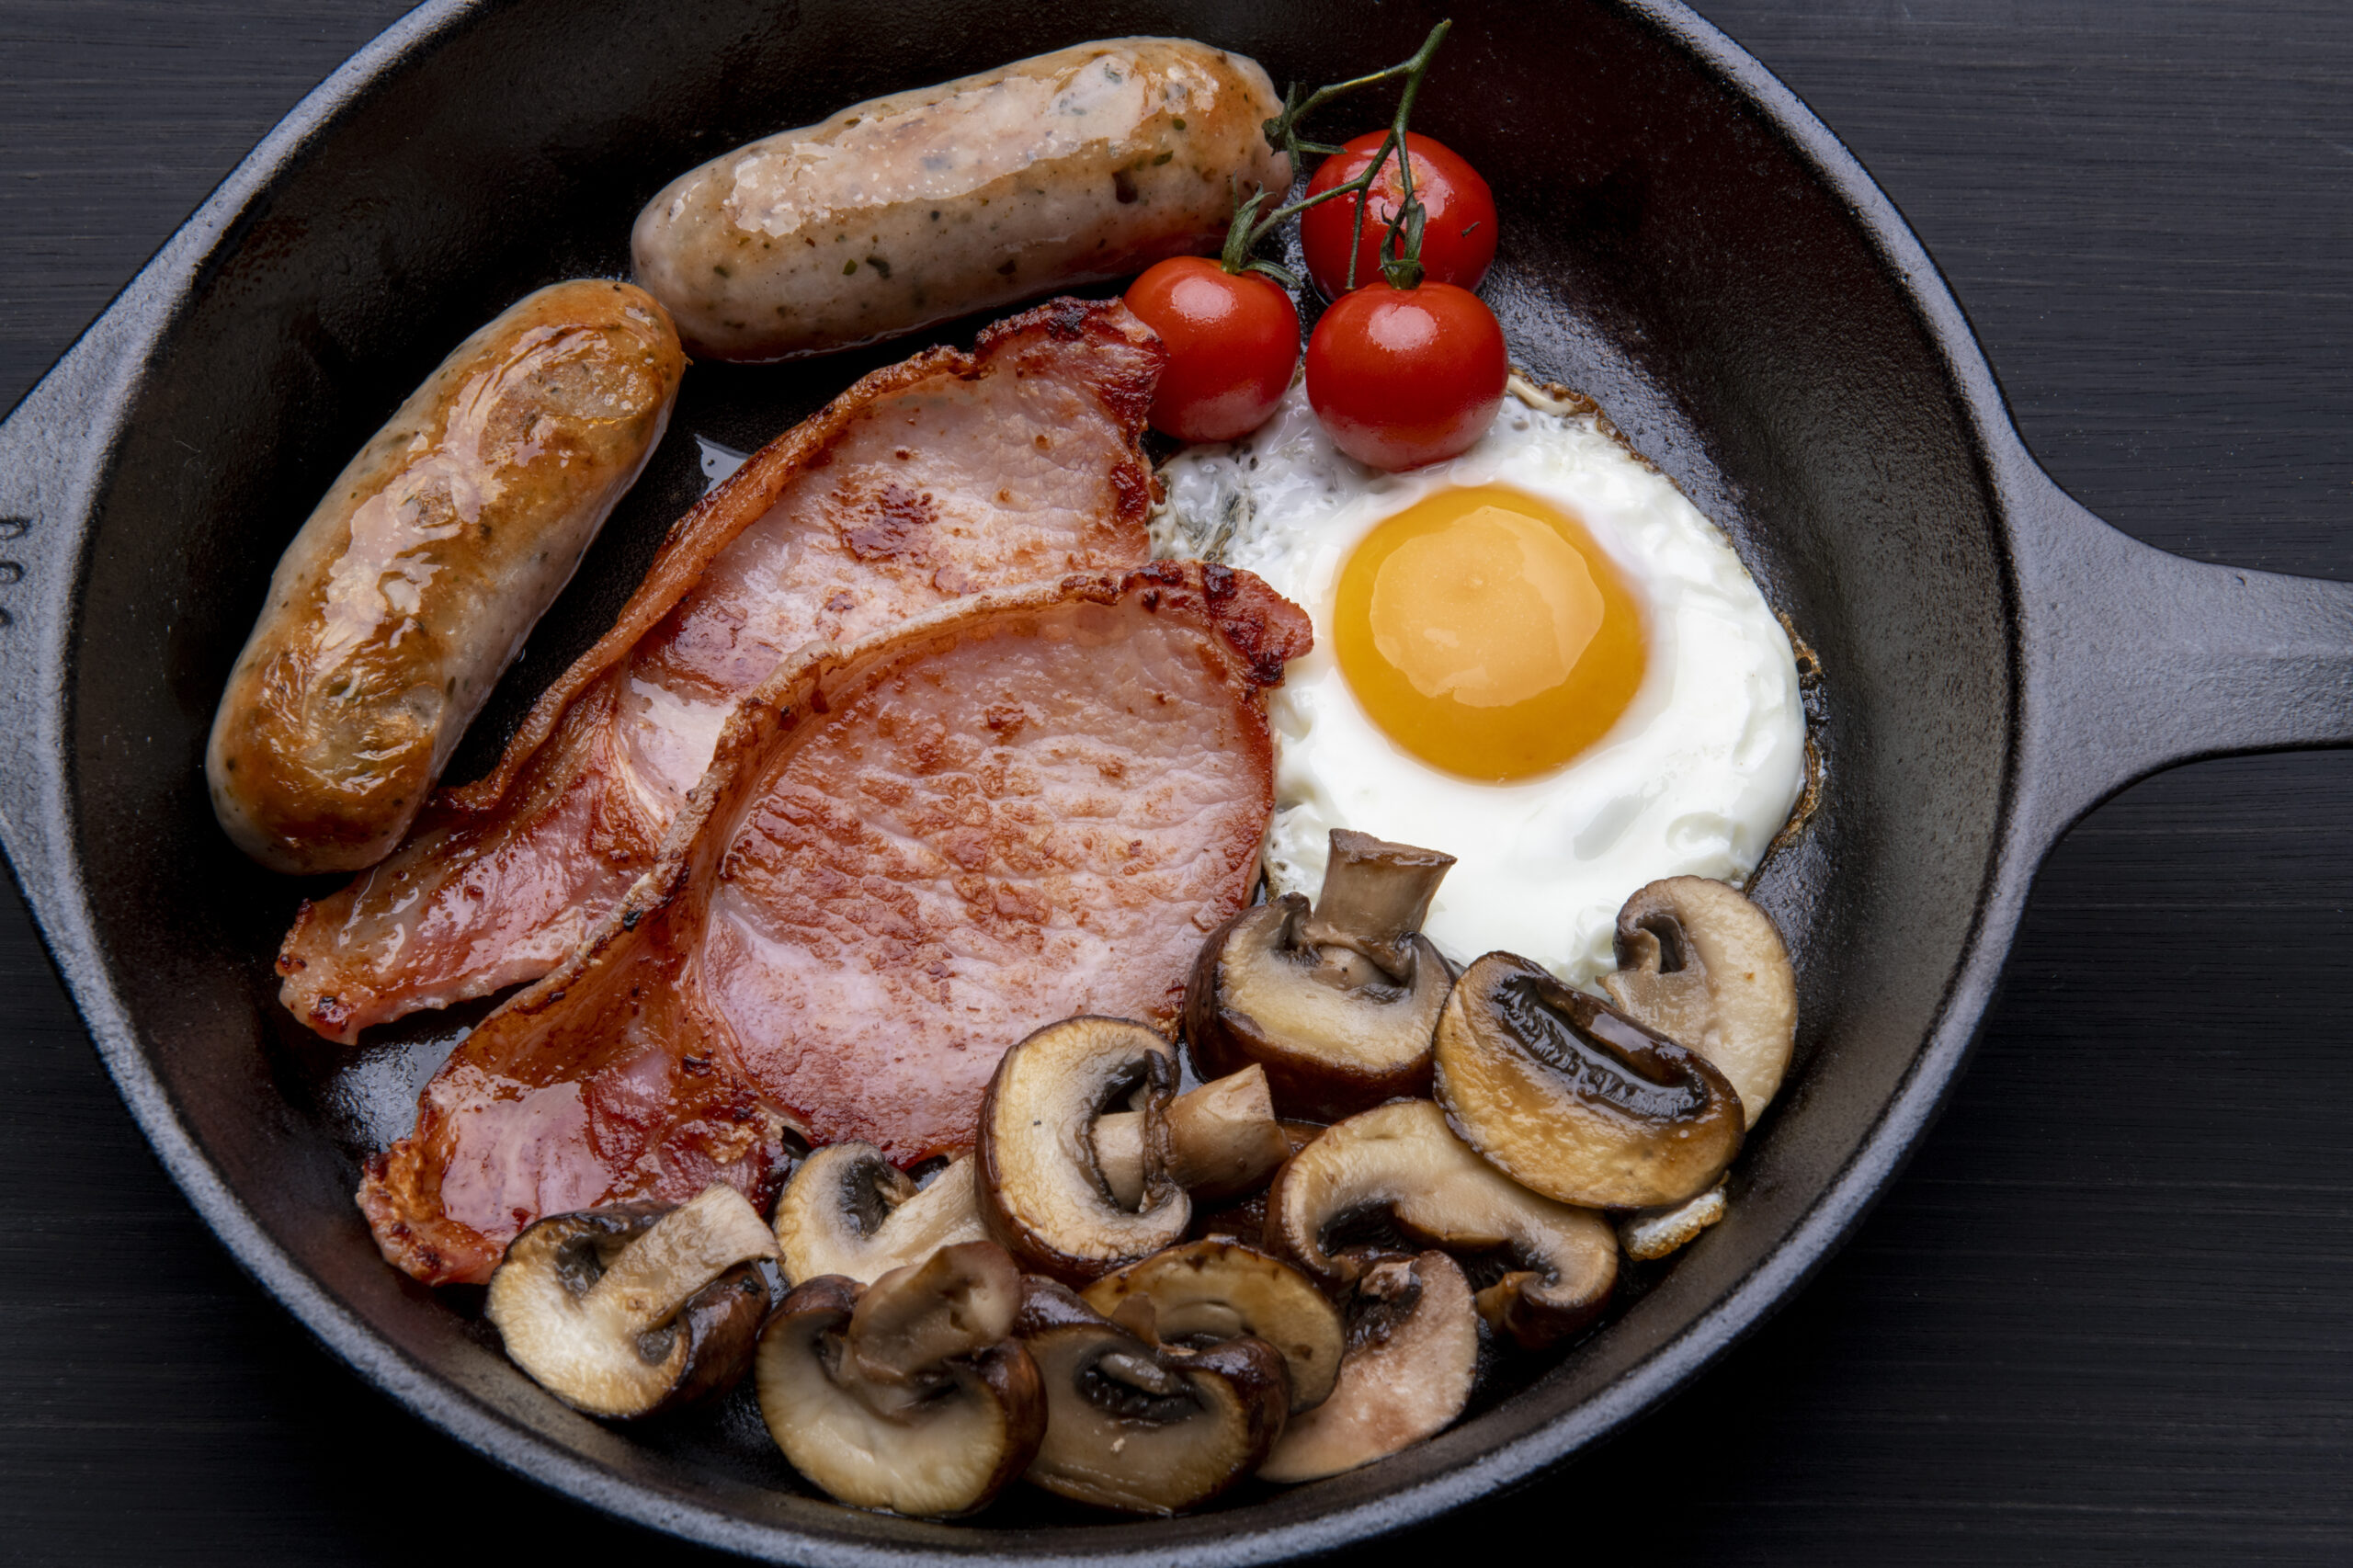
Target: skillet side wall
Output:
[(1660, 249)]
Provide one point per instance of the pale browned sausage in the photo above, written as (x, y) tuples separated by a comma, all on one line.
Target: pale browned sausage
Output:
[(413, 584), (1089, 163)]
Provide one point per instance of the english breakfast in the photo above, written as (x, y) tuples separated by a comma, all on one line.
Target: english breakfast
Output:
[(1034, 965)]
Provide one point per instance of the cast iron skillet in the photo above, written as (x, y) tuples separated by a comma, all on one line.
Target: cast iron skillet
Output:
[(1680, 237)]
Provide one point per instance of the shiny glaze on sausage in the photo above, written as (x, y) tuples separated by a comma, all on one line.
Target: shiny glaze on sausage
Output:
[(1088, 162), (415, 582)]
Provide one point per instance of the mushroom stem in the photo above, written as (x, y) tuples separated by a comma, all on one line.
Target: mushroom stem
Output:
[(686, 1250), (1375, 894), (1223, 1141)]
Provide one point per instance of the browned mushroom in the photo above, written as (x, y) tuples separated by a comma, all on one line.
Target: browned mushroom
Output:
[(1648, 1234), (638, 1307), (1700, 964), (910, 1394), (1223, 1141), (1042, 1190), (1412, 1359), (851, 1212), (1139, 1428), (1339, 1006), (1572, 1098), (1402, 1158), (1206, 1292)]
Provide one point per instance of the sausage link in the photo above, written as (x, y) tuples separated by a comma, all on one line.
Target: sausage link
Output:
[(1089, 163), (413, 585)]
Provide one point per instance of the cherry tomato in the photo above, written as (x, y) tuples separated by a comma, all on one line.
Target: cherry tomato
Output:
[(1233, 341), (1458, 235), (1403, 376)]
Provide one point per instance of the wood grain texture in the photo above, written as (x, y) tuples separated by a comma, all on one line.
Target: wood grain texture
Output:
[(2107, 1316)]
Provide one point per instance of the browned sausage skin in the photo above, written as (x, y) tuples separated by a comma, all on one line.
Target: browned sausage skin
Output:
[(413, 584), (1089, 163)]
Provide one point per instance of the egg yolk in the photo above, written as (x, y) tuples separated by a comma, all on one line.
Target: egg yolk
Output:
[(1486, 633)]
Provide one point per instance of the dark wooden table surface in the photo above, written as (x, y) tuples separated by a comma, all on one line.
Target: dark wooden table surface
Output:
[(2107, 1316)]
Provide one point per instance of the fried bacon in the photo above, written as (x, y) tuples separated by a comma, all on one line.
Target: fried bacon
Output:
[(942, 476), (906, 856)]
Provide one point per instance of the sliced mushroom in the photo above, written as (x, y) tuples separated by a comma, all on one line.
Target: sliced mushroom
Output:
[(910, 1394), (1339, 1006), (1700, 964), (1139, 1428), (1572, 1098), (1413, 1358), (851, 1212), (637, 1307), (1223, 1141), (1042, 1189), (1652, 1233), (1245, 1219), (1400, 1159), (1206, 1292)]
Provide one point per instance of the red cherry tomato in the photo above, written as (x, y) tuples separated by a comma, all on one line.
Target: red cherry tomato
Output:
[(1458, 235), (1403, 376), (1233, 341)]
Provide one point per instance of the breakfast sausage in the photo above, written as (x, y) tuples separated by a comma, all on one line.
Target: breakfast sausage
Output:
[(1090, 163), (413, 584)]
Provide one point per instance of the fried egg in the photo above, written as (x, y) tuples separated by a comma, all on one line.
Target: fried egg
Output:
[(1538, 657)]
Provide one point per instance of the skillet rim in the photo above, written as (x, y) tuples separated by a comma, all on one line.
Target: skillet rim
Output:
[(125, 335)]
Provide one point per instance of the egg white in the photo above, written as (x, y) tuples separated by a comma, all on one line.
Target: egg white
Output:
[(1696, 776)]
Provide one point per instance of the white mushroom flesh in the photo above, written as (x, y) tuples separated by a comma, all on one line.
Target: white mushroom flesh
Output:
[(820, 1223), (591, 1347), (1652, 1233), (1719, 984), (1408, 1372)]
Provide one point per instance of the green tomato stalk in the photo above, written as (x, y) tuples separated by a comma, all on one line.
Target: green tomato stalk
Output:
[(1401, 248)]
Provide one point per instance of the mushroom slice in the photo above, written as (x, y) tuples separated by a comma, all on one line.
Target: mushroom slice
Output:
[(637, 1307), (1648, 1234), (1139, 1428), (1700, 964), (1402, 1159), (910, 1394), (851, 1212), (1223, 1141), (1339, 1006), (1208, 1291), (1412, 1357), (1042, 1190), (1573, 1100)]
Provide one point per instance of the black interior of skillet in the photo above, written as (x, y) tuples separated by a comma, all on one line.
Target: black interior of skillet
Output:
[(1661, 248)]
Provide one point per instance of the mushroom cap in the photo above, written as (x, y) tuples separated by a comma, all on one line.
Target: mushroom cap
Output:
[(848, 1210), (1206, 1292), (1337, 1004), (1043, 1191), (1404, 1159), (635, 1308), (1698, 963), (1412, 1360), (1572, 1098), (910, 1394), (1142, 1430)]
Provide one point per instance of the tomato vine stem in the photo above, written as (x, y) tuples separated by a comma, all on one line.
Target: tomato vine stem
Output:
[(1401, 246)]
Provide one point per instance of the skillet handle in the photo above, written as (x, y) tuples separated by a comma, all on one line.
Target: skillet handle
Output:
[(2135, 659), (53, 448)]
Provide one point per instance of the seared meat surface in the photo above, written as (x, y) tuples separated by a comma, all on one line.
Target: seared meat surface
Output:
[(907, 855), (942, 476)]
